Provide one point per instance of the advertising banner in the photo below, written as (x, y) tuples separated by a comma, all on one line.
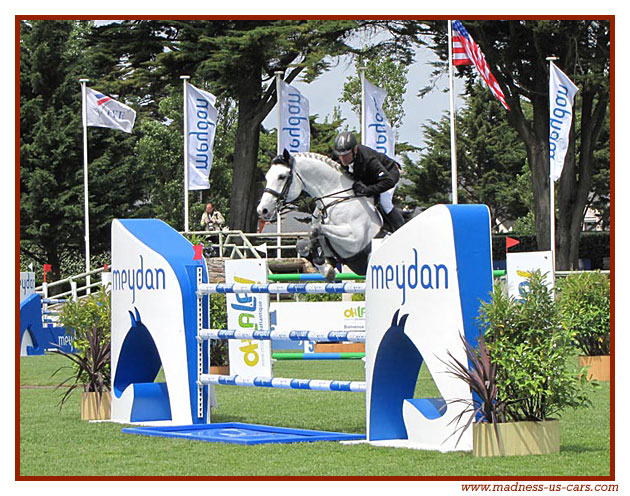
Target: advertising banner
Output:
[(247, 312), (379, 135), (202, 123), (561, 95), (316, 316), (521, 265), (104, 111), (295, 128), (27, 284)]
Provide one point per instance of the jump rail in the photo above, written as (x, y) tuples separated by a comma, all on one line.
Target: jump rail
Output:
[(282, 383), (279, 288), (294, 335), (343, 355)]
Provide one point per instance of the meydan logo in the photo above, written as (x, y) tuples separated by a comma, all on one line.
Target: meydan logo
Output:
[(409, 276), (138, 279)]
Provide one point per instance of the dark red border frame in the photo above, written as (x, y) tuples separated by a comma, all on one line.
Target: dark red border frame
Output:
[(18, 477)]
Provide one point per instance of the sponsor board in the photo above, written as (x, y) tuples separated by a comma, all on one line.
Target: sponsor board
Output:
[(315, 316), (248, 311), (521, 265)]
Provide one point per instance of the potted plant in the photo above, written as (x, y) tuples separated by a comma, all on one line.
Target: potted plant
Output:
[(519, 375), (219, 357), (584, 305), (89, 320), (219, 352)]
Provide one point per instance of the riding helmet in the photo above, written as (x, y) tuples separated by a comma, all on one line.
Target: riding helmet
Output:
[(345, 142)]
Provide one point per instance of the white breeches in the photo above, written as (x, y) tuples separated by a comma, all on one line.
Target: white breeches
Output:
[(386, 200)]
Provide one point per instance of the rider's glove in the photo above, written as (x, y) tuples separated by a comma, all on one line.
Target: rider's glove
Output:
[(360, 189)]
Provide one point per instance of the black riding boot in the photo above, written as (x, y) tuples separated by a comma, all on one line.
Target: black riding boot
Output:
[(395, 219)]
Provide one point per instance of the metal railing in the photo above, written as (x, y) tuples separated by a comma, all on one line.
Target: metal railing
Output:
[(237, 244), (74, 290)]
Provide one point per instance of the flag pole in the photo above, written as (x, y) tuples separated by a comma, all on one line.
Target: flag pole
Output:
[(86, 206), (185, 84), (552, 200), (363, 130), (452, 116), (279, 75)]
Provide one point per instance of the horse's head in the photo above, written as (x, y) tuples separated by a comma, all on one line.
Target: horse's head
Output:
[(282, 186)]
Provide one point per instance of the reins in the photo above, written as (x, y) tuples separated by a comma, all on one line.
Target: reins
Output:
[(282, 204)]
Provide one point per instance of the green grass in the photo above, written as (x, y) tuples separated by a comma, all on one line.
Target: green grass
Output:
[(58, 444)]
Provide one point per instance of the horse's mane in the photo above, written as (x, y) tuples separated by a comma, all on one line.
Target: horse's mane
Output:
[(322, 158)]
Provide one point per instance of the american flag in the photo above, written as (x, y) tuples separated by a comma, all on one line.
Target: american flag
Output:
[(467, 52)]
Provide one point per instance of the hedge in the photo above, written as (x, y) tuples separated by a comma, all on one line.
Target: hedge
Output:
[(594, 246)]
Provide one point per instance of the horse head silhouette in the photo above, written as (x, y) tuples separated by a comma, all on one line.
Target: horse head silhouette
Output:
[(139, 360), (395, 374)]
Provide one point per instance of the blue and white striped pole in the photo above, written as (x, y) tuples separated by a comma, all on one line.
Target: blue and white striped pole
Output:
[(283, 288), (291, 335), (283, 383)]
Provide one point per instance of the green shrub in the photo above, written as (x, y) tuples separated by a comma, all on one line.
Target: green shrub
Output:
[(90, 321), (218, 320), (584, 307), (530, 347)]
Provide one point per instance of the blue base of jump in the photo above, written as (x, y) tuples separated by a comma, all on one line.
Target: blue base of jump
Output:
[(239, 433)]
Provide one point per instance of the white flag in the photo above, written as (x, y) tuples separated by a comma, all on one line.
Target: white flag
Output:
[(104, 111), (379, 135), (561, 94), (202, 123), (295, 129)]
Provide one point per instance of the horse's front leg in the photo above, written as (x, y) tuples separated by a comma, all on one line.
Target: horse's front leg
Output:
[(320, 254)]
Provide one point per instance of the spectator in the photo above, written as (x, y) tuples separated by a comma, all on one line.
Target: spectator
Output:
[(212, 220)]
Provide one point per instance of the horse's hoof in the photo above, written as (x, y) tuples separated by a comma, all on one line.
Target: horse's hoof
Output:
[(330, 274)]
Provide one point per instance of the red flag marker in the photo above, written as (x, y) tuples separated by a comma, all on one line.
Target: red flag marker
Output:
[(198, 252), (47, 268), (510, 242)]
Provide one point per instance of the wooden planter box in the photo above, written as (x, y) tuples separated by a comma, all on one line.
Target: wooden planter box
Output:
[(94, 409), (220, 369), (339, 347), (598, 367), (517, 438)]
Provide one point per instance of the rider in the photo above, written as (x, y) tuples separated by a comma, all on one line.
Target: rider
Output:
[(374, 174)]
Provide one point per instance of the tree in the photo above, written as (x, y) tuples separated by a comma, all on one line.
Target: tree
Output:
[(238, 59), (490, 156), (160, 151), (52, 59), (387, 74), (516, 51)]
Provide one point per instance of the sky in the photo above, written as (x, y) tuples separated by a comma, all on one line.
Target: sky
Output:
[(323, 95)]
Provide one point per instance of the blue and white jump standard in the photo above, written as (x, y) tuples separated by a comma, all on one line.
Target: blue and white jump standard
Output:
[(423, 290)]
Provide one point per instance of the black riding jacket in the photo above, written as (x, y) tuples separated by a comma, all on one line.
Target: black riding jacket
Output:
[(374, 169)]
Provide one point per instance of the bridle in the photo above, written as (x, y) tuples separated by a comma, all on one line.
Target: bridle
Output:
[(281, 196)]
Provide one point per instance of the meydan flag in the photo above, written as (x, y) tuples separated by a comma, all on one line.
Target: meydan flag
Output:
[(379, 135), (104, 111), (202, 123), (295, 128), (561, 94)]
